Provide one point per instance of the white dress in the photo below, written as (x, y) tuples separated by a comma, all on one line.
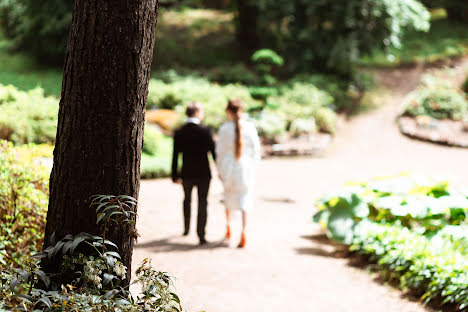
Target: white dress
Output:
[(238, 176)]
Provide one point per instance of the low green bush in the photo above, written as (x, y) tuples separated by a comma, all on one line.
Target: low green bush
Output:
[(270, 125), (419, 204), (27, 117), (238, 73), (305, 100), (184, 90), (414, 228), (23, 204), (347, 94), (157, 154), (465, 85), (435, 268), (87, 272), (437, 99)]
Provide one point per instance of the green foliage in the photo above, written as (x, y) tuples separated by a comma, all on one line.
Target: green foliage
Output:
[(420, 205), (446, 39), (186, 89), (465, 85), (270, 126), (237, 73), (415, 229), (332, 35), (434, 267), (437, 99), (195, 39), (27, 116), (305, 100), (40, 28), (23, 205), (157, 154), (89, 272), (265, 61)]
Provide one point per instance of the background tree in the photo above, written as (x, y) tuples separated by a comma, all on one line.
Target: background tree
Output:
[(39, 27), (247, 15), (331, 35), (101, 116)]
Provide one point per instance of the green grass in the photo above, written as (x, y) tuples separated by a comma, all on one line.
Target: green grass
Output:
[(21, 71), (446, 39)]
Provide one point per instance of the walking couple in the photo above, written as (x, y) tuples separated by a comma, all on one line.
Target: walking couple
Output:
[(236, 152)]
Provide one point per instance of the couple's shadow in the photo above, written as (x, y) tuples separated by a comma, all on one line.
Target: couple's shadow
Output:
[(173, 243)]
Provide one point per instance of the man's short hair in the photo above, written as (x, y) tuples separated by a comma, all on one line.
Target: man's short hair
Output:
[(193, 108)]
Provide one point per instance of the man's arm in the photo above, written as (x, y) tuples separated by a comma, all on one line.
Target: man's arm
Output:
[(175, 159), (211, 145)]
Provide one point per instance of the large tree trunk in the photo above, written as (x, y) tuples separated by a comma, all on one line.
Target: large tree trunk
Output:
[(247, 29), (102, 112)]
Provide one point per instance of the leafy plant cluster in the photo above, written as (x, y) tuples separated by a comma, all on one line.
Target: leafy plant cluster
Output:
[(88, 273), (27, 117), (30, 117), (434, 268), (437, 99), (414, 228), (298, 100), (156, 154), (424, 206), (23, 205)]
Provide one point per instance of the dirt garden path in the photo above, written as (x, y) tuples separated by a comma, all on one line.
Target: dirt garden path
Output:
[(288, 265)]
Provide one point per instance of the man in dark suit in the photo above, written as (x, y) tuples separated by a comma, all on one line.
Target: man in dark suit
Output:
[(194, 142)]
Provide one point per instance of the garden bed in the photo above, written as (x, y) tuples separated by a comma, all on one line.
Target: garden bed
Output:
[(447, 132), (413, 228)]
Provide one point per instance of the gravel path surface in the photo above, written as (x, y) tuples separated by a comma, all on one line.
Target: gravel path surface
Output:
[(287, 264)]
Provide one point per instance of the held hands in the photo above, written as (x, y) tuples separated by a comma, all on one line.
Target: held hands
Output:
[(178, 181)]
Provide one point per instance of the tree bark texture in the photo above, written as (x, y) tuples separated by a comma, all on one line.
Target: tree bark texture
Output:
[(101, 116), (247, 19)]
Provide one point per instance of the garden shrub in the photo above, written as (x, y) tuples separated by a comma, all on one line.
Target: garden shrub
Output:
[(213, 97), (305, 100), (238, 73), (270, 125), (414, 228), (437, 99), (465, 85), (157, 154), (347, 94), (436, 268), (27, 117), (88, 273), (23, 204)]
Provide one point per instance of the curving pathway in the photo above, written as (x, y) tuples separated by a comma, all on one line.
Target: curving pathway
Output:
[(288, 265)]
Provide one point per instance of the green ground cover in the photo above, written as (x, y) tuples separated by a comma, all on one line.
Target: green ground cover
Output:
[(413, 228)]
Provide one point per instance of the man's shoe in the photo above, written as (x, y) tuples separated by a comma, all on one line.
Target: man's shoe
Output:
[(203, 241), (186, 232)]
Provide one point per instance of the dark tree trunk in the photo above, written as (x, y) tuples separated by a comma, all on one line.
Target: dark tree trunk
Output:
[(101, 116), (247, 24)]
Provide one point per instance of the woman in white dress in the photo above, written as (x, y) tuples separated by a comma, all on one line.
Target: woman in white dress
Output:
[(237, 155)]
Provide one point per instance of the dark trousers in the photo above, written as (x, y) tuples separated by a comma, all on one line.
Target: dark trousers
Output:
[(203, 185)]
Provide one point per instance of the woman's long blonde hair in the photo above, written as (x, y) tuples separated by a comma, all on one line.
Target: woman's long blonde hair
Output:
[(235, 106)]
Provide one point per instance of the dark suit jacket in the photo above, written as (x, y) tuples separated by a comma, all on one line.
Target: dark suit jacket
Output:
[(194, 142)]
